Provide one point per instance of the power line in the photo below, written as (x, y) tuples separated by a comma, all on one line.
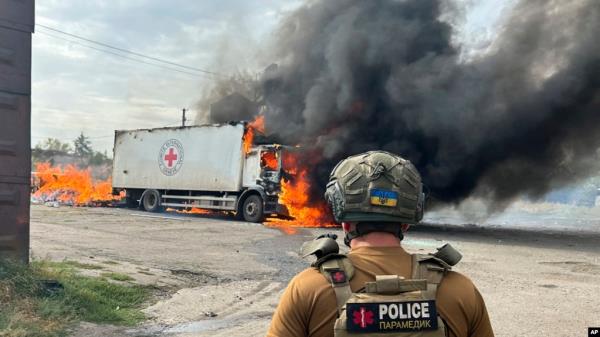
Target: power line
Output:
[(72, 138), (122, 56), (94, 137), (128, 51)]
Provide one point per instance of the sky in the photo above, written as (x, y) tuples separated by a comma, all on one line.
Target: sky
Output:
[(78, 89)]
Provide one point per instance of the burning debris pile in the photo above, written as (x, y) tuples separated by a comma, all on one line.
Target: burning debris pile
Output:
[(517, 119), (69, 186)]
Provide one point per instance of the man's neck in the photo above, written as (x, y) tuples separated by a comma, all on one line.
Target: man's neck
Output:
[(376, 239)]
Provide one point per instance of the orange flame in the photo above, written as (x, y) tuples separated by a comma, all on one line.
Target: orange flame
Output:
[(269, 160), (257, 125), (295, 191), (192, 210), (198, 211), (295, 196), (71, 185), (248, 140)]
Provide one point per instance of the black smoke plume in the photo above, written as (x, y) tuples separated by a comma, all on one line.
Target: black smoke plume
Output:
[(519, 119)]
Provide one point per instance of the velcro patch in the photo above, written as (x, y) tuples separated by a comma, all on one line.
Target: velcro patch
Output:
[(391, 316), (338, 276), (384, 198)]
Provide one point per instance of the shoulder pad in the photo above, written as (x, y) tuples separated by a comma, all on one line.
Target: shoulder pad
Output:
[(431, 259), (446, 257), (320, 247), (448, 254)]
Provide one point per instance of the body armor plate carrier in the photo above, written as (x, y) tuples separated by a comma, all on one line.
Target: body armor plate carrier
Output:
[(391, 305)]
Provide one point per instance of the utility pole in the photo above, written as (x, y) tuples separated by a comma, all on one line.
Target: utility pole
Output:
[(183, 119)]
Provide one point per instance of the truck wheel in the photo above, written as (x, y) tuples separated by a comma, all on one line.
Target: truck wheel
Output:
[(252, 210), (151, 201)]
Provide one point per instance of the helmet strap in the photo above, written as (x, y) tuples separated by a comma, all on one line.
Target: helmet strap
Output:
[(363, 228)]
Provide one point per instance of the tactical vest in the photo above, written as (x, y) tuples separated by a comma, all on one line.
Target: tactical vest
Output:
[(391, 305)]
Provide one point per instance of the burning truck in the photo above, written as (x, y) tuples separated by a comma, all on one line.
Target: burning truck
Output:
[(210, 167)]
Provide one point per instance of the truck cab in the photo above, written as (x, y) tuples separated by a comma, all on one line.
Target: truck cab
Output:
[(263, 173)]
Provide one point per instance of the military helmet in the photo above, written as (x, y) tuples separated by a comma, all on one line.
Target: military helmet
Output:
[(375, 186)]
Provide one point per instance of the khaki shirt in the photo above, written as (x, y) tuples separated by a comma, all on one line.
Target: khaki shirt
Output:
[(308, 305)]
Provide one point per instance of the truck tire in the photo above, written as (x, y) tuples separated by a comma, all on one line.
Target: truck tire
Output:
[(151, 201), (252, 210)]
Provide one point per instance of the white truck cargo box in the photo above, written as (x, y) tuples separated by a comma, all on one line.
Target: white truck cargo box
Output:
[(207, 158)]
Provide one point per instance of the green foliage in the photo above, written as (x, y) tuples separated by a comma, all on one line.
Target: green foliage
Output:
[(54, 144), (83, 146), (29, 308), (99, 158), (82, 154), (46, 150)]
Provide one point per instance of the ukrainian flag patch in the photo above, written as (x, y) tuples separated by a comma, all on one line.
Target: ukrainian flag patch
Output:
[(384, 198)]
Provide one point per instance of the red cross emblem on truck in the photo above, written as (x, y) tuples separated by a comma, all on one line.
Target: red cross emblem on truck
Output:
[(171, 157)]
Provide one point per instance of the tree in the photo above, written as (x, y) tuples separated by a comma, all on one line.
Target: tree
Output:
[(83, 146), (99, 158), (53, 144)]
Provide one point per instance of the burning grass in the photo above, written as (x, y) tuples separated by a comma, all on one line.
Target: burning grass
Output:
[(31, 308), (70, 185)]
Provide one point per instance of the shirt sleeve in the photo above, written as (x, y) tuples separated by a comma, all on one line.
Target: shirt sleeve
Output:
[(289, 319), (480, 323), (462, 307)]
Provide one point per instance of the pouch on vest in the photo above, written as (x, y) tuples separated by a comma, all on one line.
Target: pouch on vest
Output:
[(390, 306)]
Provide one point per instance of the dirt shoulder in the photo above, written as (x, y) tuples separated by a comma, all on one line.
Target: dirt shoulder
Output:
[(219, 277)]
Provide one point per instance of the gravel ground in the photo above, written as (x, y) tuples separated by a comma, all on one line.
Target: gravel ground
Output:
[(220, 277)]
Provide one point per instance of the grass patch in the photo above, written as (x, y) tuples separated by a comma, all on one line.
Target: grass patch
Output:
[(117, 277), (31, 309)]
